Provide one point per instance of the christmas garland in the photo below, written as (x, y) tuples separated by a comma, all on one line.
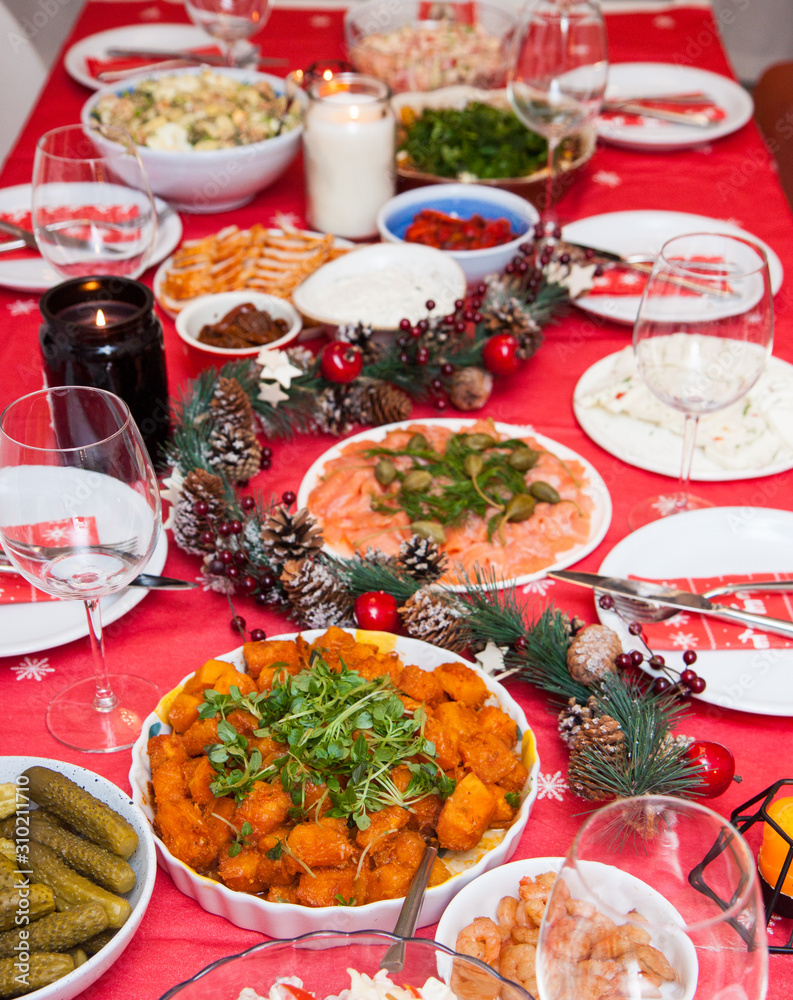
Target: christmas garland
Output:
[(617, 723)]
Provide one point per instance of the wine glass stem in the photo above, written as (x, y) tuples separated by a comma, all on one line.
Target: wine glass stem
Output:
[(689, 443), (104, 699), (548, 213)]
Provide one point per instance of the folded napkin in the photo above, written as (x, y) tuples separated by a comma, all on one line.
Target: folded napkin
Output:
[(109, 213), (711, 111), (15, 589), (120, 64), (619, 280), (692, 631)]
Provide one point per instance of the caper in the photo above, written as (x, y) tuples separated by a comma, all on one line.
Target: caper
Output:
[(418, 479), (519, 508), (418, 443), (478, 442), (473, 465), (385, 471), (431, 530), (523, 459), (544, 491)]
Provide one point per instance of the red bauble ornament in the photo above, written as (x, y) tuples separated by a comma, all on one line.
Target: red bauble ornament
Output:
[(341, 362), (716, 767), (377, 611), (500, 354)]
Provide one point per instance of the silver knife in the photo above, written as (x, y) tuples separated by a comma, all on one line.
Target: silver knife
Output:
[(147, 580), (683, 601), (694, 118), (186, 55), (28, 239)]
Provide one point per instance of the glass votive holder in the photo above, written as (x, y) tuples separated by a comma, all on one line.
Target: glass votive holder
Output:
[(349, 144), (102, 332)]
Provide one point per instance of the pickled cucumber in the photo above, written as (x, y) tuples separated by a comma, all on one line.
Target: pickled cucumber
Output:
[(98, 941), (72, 889), (32, 901), (8, 875), (80, 810), (101, 866), (43, 969), (56, 931)]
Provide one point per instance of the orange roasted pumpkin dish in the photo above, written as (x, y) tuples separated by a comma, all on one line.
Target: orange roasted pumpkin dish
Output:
[(317, 775)]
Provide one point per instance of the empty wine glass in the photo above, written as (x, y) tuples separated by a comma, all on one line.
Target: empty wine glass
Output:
[(657, 897), (93, 209), (229, 21), (79, 519), (702, 339), (557, 75)]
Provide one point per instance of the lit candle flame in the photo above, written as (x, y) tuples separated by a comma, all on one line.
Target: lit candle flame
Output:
[(100, 318)]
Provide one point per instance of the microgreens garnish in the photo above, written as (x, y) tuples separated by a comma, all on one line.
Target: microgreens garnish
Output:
[(339, 730)]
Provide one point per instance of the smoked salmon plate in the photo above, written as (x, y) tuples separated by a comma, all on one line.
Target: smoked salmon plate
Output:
[(504, 503)]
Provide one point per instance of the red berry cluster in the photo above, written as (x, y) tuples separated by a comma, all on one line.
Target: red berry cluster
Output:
[(687, 680)]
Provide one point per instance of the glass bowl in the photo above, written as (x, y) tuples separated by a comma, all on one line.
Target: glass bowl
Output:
[(412, 45), (322, 959)]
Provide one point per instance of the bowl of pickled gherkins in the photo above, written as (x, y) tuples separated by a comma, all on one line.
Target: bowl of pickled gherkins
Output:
[(88, 857)]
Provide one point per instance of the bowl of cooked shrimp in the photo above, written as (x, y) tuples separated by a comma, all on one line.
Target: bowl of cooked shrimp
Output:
[(497, 919)]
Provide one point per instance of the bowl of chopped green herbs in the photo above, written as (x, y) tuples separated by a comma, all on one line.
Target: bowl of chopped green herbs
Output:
[(462, 134)]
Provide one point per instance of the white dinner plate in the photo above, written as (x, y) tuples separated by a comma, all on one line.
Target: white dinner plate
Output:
[(291, 919), (705, 543), (658, 449), (167, 37), (652, 79), (29, 628), (645, 232), (596, 488), (34, 274)]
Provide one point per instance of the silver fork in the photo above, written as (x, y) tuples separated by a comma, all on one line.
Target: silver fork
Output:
[(125, 547), (643, 608)]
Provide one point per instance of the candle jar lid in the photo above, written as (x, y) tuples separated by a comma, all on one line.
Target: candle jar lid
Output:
[(368, 88)]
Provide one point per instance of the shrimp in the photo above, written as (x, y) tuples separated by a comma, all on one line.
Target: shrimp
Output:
[(505, 913), (518, 963), (481, 939)]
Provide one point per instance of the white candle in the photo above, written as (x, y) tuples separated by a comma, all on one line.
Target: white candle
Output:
[(348, 147)]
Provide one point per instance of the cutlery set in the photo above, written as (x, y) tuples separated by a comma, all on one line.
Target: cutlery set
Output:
[(25, 238), (147, 580), (650, 602)]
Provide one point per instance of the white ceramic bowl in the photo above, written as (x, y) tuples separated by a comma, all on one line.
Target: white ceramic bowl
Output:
[(462, 201), (480, 898), (381, 284), (143, 861), (214, 180), (285, 920), (211, 308)]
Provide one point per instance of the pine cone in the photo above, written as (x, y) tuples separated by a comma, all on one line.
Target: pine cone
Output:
[(338, 410), (592, 654), (187, 525), (234, 452), (573, 716), (388, 404), (470, 388), (429, 616), (300, 357), (318, 599), (378, 558), (602, 735), (230, 405), (290, 536), (422, 559), (360, 336)]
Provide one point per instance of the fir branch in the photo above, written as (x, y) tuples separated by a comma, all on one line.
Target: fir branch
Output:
[(362, 576), (550, 303), (491, 614)]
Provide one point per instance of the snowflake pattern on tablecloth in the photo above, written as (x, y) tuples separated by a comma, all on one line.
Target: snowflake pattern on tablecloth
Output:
[(21, 307), (683, 640), (608, 178), (320, 21), (681, 618), (706, 148), (150, 14), (664, 21), (33, 668), (665, 504), (285, 219), (551, 786), (56, 533), (540, 587)]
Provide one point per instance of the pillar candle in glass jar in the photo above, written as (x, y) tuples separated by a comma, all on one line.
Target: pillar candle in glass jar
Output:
[(349, 145)]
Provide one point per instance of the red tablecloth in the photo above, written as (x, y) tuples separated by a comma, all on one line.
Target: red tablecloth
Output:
[(171, 634)]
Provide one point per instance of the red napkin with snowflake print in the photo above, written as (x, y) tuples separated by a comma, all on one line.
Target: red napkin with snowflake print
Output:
[(108, 213), (711, 111), (692, 631), (122, 64), (15, 589)]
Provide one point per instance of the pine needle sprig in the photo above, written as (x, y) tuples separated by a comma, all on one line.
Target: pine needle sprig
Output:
[(490, 614), (362, 577), (543, 661), (551, 302)]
